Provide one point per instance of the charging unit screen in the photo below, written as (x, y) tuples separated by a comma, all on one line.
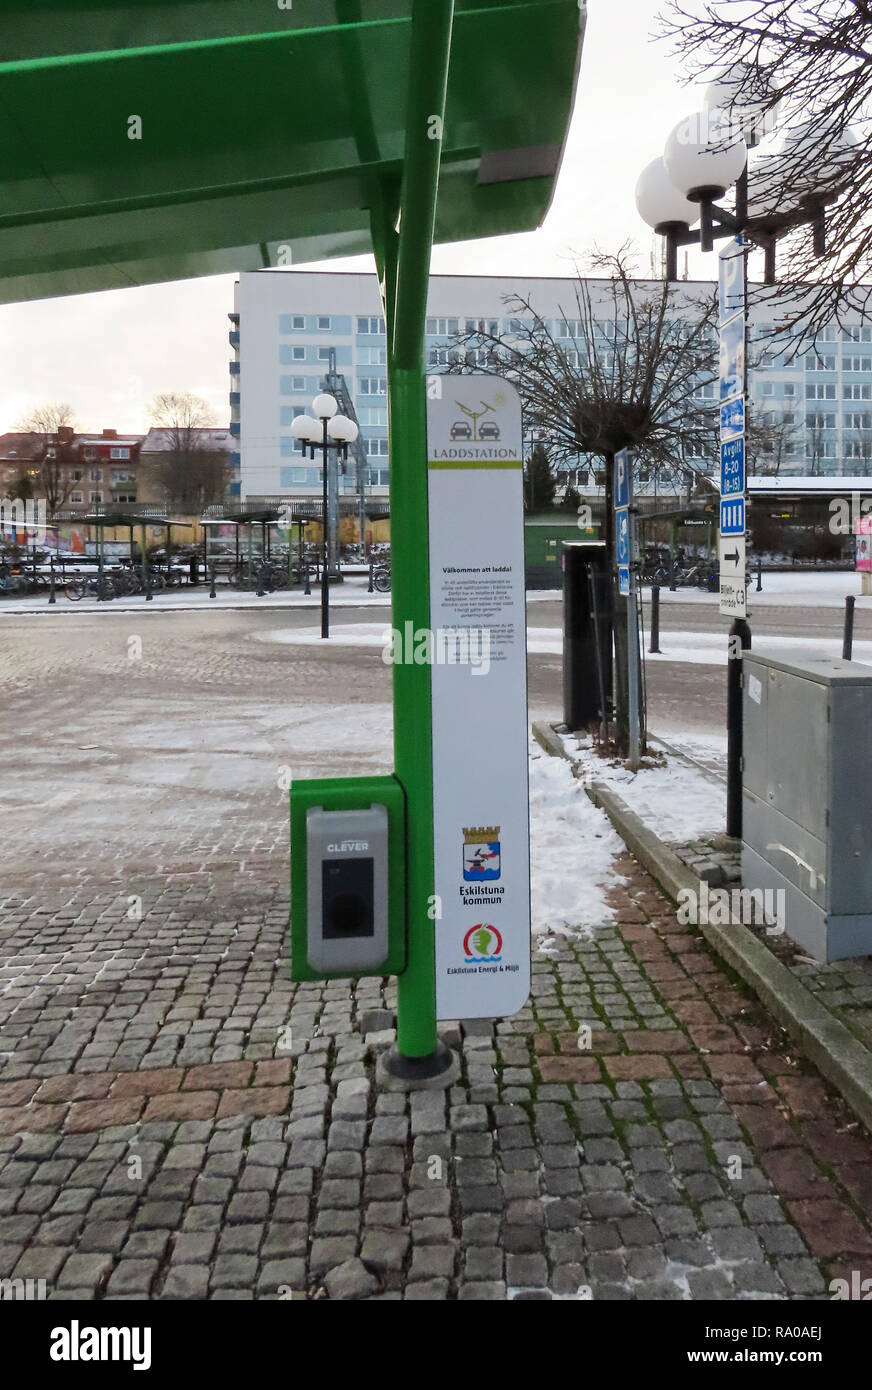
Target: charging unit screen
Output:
[(347, 888)]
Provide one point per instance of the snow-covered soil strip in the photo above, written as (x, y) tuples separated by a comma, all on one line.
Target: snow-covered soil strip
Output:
[(676, 801), (572, 852)]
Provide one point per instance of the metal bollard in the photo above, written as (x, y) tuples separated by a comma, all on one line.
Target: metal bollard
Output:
[(759, 577), (308, 588), (51, 585), (742, 631), (371, 589), (848, 638), (655, 619), (212, 593)]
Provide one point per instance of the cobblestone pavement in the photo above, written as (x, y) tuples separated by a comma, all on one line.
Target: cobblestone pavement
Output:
[(177, 1120)]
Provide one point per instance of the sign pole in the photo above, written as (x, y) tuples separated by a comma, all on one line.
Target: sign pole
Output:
[(403, 261), (733, 323)]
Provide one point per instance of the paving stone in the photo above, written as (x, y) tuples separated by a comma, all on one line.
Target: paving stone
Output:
[(350, 1280)]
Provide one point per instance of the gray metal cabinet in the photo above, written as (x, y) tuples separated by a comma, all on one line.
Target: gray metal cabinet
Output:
[(807, 797)]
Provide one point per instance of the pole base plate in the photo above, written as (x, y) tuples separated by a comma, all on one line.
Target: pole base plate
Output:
[(436, 1072)]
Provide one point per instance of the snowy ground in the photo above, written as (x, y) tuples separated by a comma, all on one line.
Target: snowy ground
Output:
[(794, 589)]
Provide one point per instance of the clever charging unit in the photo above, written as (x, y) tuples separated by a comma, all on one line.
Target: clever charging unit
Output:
[(347, 877)]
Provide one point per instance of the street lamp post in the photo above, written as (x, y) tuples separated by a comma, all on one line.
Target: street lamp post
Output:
[(705, 155), (708, 152), (327, 430)]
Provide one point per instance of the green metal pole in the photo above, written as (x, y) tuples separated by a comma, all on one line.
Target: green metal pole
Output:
[(403, 261)]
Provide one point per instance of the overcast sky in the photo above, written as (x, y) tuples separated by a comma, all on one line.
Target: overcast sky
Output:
[(108, 354)]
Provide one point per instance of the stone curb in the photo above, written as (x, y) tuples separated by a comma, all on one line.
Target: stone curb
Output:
[(836, 1053)]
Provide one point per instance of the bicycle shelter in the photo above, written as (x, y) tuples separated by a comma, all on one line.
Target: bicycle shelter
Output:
[(128, 160)]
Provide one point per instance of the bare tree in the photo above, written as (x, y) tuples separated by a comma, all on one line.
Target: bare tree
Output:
[(190, 473), (813, 61), (770, 441), (622, 368), (54, 479)]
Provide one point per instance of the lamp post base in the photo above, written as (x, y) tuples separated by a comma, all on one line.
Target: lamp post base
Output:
[(436, 1072)]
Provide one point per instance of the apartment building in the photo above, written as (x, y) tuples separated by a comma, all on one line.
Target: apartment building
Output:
[(285, 324)]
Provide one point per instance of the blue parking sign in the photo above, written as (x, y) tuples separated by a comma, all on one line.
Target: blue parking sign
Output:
[(732, 359), (622, 478), (733, 418), (622, 520), (733, 467), (733, 516)]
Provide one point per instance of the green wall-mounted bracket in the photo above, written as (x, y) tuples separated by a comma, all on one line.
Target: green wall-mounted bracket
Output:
[(347, 795)]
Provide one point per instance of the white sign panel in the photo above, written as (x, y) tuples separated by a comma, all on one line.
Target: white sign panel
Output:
[(733, 590), (480, 734)]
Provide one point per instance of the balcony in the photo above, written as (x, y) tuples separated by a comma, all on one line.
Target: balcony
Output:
[(233, 336), (234, 398), (234, 428)]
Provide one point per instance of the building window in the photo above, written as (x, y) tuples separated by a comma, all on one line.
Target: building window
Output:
[(857, 364), (790, 388), (370, 325), (298, 354), (95, 497), (814, 362), (817, 421), (376, 448), (858, 393), (443, 326), (96, 475), (372, 415), (122, 475), (826, 393), (853, 333), (372, 357), (119, 453), (379, 477), (372, 385), (298, 383), (323, 354), (324, 320), (77, 497), (298, 477), (768, 388), (89, 454), (76, 475), (854, 420)]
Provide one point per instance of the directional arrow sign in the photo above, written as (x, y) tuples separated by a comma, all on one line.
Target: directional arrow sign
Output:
[(731, 552), (733, 591)]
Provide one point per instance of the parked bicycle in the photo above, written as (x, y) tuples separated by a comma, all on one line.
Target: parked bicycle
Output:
[(260, 574), (381, 577)]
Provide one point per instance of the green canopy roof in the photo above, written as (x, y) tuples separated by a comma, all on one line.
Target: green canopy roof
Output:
[(262, 128)]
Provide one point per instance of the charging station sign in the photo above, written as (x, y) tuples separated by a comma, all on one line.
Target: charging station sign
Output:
[(479, 697)]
